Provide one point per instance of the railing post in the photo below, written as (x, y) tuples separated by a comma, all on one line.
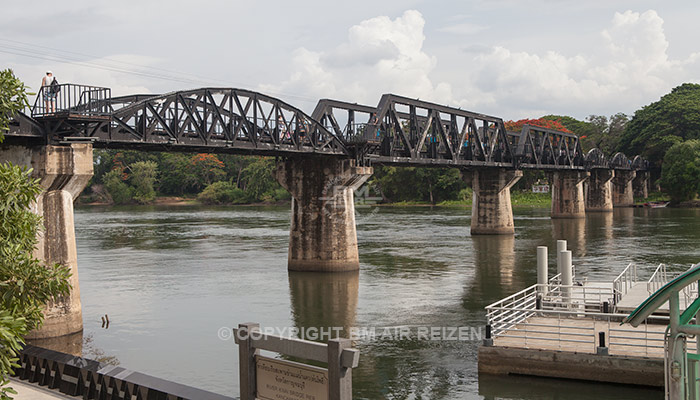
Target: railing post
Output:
[(542, 272), (561, 246), (602, 349), (246, 359), (339, 377)]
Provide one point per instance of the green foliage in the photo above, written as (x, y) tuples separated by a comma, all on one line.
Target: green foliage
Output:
[(13, 98), (433, 185), (660, 125), (142, 178), (119, 190), (25, 284), (680, 176), (598, 131), (173, 173), (257, 180), (222, 192)]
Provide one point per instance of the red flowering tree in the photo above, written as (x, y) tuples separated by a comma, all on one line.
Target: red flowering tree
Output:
[(205, 169), (517, 126)]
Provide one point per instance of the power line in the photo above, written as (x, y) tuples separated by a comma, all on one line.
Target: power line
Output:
[(25, 50)]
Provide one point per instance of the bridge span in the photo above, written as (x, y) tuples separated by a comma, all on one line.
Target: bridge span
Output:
[(321, 159)]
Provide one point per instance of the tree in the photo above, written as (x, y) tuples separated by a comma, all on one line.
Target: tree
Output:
[(13, 98), (26, 286), (655, 128), (119, 190), (516, 126), (680, 176), (172, 173), (258, 181), (142, 178), (205, 169)]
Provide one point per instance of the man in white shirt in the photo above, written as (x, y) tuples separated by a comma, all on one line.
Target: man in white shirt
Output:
[(49, 95)]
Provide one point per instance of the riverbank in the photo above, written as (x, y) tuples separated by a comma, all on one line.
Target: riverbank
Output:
[(518, 199)]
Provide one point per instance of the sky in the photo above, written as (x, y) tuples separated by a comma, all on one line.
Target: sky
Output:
[(507, 58)]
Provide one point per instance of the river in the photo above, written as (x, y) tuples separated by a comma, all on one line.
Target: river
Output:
[(174, 279)]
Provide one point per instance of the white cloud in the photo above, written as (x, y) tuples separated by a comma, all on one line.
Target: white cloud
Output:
[(628, 68), (381, 55)]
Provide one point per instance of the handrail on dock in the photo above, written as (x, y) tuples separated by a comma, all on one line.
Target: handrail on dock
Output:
[(657, 279), (624, 281)]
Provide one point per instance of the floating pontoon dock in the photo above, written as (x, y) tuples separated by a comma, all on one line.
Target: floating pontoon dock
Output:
[(574, 330)]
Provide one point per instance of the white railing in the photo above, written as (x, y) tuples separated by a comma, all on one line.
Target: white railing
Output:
[(624, 282), (559, 317), (657, 280), (510, 311)]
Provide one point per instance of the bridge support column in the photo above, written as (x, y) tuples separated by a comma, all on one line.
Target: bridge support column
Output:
[(322, 235), (623, 195), (567, 194), (599, 190), (492, 213), (63, 172), (640, 184)]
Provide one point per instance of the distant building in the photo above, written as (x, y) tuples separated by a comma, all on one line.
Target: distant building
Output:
[(540, 188)]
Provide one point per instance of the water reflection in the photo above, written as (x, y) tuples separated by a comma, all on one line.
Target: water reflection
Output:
[(71, 344), (494, 259), (573, 230), (324, 300)]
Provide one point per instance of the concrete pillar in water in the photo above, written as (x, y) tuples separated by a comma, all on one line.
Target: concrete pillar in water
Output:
[(567, 194), (623, 195), (640, 184), (599, 190), (322, 235), (63, 172), (492, 213)]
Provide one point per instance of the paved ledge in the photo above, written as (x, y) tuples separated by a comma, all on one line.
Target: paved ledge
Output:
[(31, 391), (571, 365)]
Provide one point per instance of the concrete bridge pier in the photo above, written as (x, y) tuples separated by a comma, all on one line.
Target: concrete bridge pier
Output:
[(63, 172), (640, 184), (567, 194), (599, 190), (322, 235), (492, 213), (623, 194)]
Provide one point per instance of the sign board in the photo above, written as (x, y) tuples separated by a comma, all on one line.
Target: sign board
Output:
[(287, 380), (540, 188)]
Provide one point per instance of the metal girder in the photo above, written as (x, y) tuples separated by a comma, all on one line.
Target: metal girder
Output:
[(218, 119)]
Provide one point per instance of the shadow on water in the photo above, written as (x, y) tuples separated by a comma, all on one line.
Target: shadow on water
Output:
[(526, 388)]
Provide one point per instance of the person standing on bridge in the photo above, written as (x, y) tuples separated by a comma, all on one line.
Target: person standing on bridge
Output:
[(49, 93)]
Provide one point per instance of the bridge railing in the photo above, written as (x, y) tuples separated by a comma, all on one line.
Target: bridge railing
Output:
[(71, 99)]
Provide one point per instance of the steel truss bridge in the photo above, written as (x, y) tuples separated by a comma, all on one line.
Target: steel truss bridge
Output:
[(398, 131)]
